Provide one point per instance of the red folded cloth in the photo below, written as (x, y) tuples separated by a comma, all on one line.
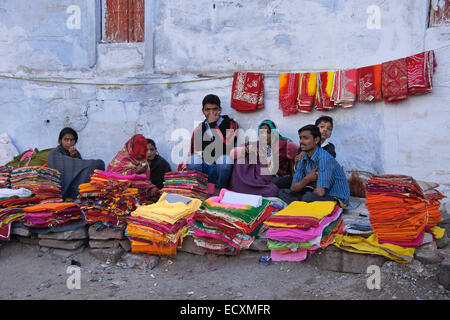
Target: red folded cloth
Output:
[(247, 91), (394, 80)]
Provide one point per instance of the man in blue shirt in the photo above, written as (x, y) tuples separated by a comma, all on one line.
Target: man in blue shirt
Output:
[(318, 176)]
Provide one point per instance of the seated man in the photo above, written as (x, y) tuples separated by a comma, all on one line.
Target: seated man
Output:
[(325, 125), (318, 176), (211, 144)]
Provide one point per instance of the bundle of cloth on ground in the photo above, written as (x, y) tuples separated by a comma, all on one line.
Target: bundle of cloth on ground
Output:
[(302, 227), (159, 228), (187, 183), (12, 204), (226, 228), (110, 197)]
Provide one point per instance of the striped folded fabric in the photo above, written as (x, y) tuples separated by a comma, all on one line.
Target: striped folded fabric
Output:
[(225, 228), (421, 67), (325, 85), (42, 181), (307, 92), (302, 228), (288, 93), (186, 183), (399, 210), (51, 215), (5, 176), (109, 198), (344, 89), (12, 211)]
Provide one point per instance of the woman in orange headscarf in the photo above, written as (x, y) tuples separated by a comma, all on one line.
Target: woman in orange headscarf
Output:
[(132, 159)]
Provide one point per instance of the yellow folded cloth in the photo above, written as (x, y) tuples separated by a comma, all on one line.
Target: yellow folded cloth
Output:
[(438, 232), (166, 211), (316, 209), (370, 245)]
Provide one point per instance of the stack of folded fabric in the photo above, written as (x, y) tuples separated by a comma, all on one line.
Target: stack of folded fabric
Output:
[(43, 182), (302, 227), (12, 204), (159, 228), (110, 198), (357, 225), (187, 183), (400, 213), (5, 176), (229, 222), (51, 215), (134, 181), (58, 225)]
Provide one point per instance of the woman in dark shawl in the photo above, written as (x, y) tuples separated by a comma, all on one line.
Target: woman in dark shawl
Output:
[(67, 160), (158, 165), (257, 163)]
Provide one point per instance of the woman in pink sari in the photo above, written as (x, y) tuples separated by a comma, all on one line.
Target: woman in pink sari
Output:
[(132, 159)]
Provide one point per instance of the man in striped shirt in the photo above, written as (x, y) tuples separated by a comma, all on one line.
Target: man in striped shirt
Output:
[(318, 176)]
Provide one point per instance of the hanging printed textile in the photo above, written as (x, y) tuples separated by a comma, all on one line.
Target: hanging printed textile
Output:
[(420, 72), (248, 91), (394, 80), (288, 93), (369, 83), (344, 91), (325, 84), (307, 92)]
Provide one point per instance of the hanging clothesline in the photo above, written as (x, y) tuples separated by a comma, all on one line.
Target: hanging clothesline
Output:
[(167, 83)]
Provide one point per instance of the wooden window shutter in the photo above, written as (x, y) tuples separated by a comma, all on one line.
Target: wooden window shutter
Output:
[(125, 20)]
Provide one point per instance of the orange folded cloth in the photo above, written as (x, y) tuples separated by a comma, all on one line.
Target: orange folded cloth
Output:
[(50, 206)]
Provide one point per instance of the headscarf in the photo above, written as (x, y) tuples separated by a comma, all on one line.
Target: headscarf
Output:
[(126, 162), (273, 129), (283, 152)]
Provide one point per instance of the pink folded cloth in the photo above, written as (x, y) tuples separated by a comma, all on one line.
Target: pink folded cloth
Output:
[(299, 235), (217, 200), (215, 236), (122, 176), (299, 255), (211, 188)]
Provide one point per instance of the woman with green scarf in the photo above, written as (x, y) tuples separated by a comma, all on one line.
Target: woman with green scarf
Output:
[(257, 163)]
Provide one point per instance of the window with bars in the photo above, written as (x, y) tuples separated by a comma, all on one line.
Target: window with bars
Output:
[(439, 13), (124, 20)]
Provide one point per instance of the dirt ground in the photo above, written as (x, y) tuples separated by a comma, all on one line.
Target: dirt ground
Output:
[(28, 273)]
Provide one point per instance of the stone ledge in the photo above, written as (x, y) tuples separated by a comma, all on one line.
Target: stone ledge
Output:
[(77, 234), (335, 259), (444, 273), (111, 254), (106, 234)]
